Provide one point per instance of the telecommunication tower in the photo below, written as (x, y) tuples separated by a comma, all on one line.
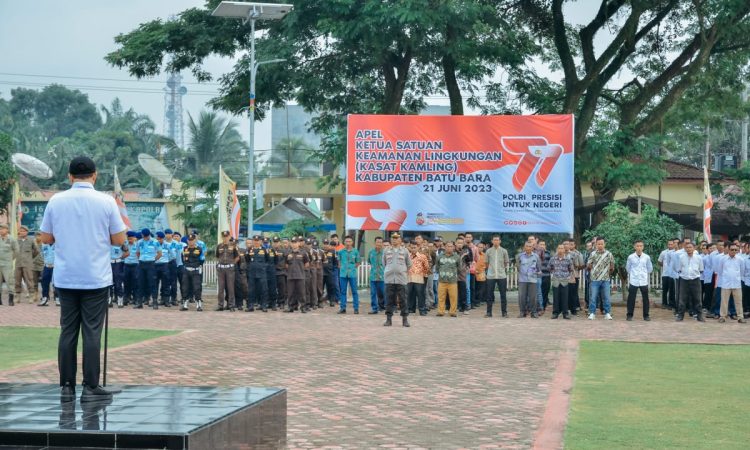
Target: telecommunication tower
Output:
[(173, 122)]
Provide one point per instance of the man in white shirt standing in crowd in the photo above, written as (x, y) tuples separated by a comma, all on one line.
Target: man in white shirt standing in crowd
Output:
[(731, 270), (639, 267), (667, 282), (79, 218), (746, 279), (708, 276), (691, 270)]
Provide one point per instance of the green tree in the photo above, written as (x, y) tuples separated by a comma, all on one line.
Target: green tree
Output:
[(292, 157), (214, 141), (665, 46), (7, 172), (621, 229), (200, 213), (302, 227)]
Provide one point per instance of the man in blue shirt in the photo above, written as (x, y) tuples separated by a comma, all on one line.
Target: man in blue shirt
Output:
[(130, 272), (148, 252), (179, 267), (117, 255), (48, 253), (162, 273), (350, 260)]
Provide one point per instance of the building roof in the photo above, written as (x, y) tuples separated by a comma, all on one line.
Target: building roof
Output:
[(683, 171), (286, 211)]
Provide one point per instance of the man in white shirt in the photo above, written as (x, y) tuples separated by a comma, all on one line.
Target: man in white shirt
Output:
[(667, 282), (639, 267), (80, 218), (731, 270), (691, 271)]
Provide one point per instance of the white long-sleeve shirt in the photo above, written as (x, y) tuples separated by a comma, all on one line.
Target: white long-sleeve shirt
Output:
[(638, 268)]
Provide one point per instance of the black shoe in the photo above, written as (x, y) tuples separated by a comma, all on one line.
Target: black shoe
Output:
[(699, 318), (388, 322), (555, 316), (372, 312), (67, 394), (575, 313), (710, 316), (629, 318), (220, 308), (733, 317), (96, 394), (156, 306), (678, 318), (356, 311), (566, 316), (534, 315), (505, 314), (264, 310), (405, 322), (422, 313), (138, 307), (274, 309), (647, 319), (341, 311)]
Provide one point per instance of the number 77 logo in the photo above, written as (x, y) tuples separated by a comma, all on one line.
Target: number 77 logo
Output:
[(537, 155)]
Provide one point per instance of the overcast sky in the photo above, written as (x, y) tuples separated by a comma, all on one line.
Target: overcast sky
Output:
[(53, 41)]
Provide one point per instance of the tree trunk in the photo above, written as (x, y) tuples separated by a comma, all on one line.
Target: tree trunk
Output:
[(449, 74), (623, 283), (602, 197)]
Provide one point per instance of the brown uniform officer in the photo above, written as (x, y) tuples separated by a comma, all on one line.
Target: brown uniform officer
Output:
[(227, 256), (321, 261), (27, 251), (297, 262)]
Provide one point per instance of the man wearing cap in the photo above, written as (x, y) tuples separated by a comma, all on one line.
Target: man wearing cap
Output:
[(8, 251), (319, 272), (191, 286), (117, 255), (148, 252), (241, 294), (296, 261), (174, 250), (130, 272), (281, 249), (162, 273), (74, 219), (257, 260), (226, 257), (396, 265), (27, 251), (273, 260), (330, 267)]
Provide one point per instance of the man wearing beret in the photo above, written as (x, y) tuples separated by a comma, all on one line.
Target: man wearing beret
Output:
[(117, 256), (226, 257), (130, 272), (163, 284), (257, 260), (148, 252)]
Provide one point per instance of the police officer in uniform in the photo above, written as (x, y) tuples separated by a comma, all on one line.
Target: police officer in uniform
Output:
[(226, 257), (280, 270), (130, 272), (240, 279), (257, 260), (178, 246), (310, 290), (148, 252), (297, 261), (27, 251), (192, 278), (162, 272), (174, 248), (117, 256), (273, 299), (330, 266)]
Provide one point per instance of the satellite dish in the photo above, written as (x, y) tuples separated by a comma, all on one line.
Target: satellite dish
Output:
[(31, 166), (155, 168)]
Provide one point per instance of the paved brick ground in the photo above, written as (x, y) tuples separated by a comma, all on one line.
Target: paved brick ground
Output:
[(467, 382)]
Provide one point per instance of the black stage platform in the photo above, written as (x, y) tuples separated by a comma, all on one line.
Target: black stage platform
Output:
[(143, 417)]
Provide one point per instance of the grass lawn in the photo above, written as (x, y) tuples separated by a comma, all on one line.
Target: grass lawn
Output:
[(26, 345), (647, 396)]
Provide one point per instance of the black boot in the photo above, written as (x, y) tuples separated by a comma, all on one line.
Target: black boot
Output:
[(388, 322), (10, 300), (405, 322), (1, 297)]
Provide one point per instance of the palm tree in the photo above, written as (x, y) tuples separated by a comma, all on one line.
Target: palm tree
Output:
[(292, 157), (213, 141)]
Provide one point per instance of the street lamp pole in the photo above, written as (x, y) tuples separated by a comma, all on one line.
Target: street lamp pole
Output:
[(251, 12)]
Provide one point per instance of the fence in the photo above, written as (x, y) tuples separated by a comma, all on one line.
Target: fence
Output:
[(363, 277)]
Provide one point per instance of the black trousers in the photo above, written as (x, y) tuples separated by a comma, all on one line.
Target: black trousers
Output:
[(273, 298), (163, 283), (502, 286), (131, 283), (191, 284), (281, 289), (147, 279), (708, 295), (81, 311), (545, 291), (474, 300), (415, 294), (396, 293), (745, 298), (560, 300), (690, 294), (332, 287), (667, 292), (173, 277), (632, 290), (296, 295), (480, 287), (574, 301), (258, 290), (118, 277), (461, 296)]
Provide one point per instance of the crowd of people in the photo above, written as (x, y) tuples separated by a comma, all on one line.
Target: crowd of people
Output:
[(706, 280)]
